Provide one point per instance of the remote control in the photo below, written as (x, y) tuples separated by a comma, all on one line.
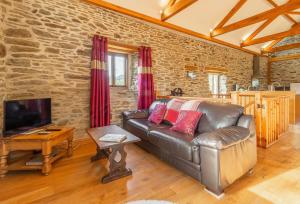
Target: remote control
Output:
[(43, 133), (53, 129)]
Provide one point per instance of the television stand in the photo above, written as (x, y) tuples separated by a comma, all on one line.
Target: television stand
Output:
[(31, 142)]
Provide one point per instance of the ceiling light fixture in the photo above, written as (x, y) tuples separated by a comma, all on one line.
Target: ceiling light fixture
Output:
[(266, 45), (245, 37), (163, 3)]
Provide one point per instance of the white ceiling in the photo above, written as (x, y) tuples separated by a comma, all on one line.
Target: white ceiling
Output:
[(204, 15)]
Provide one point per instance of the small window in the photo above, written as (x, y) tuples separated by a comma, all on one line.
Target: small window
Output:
[(217, 84), (117, 69)]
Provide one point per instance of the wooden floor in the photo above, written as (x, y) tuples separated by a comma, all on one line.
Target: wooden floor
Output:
[(276, 179)]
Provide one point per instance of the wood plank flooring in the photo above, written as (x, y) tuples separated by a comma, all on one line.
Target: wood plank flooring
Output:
[(77, 180)]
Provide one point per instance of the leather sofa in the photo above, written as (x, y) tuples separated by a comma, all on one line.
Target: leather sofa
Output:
[(222, 150)]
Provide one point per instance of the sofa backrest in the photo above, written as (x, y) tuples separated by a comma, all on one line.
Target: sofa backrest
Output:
[(217, 115)]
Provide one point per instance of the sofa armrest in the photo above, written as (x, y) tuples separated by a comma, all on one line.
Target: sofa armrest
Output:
[(226, 154), (138, 114), (247, 121), (222, 138)]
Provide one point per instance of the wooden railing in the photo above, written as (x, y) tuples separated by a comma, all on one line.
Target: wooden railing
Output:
[(273, 112), (215, 100)]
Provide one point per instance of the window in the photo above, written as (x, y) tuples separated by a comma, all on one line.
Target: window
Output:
[(217, 84), (117, 69)]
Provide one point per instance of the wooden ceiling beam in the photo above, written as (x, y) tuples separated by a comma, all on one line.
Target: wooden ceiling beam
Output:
[(233, 11), (295, 30), (284, 58), (259, 29), (257, 18), (285, 15), (175, 7), (265, 24), (294, 12), (271, 45), (282, 48)]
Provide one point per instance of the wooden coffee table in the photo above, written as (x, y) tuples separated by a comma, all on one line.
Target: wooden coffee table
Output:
[(34, 141), (110, 150)]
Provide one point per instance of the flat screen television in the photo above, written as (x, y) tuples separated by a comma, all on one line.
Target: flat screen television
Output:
[(24, 115)]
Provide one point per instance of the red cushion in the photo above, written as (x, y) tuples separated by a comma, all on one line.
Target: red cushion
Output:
[(158, 113), (173, 107), (187, 122), (171, 116)]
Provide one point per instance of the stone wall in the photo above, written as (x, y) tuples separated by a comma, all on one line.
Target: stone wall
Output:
[(287, 71), (2, 64), (48, 55), (263, 69)]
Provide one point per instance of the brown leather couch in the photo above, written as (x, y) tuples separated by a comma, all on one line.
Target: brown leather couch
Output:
[(223, 149)]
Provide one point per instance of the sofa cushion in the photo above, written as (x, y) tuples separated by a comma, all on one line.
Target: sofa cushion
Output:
[(158, 113), (141, 127), (173, 108), (138, 127), (143, 124), (152, 106), (216, 115), (187, 122), (175, 143), (191, 105)]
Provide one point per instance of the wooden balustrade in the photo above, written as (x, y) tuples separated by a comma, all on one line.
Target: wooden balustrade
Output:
[(273, 112)]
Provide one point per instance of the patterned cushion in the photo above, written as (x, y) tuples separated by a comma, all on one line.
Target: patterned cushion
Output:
[(158, 113), (187, 122), (171, 116), (173, 107), (191, 105)]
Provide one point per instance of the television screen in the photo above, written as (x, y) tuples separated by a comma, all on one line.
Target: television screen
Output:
[(23, 115)]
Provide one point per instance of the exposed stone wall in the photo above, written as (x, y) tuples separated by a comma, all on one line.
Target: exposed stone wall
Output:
[(263, 69), (48, 55), (287, 71), (2, 64)]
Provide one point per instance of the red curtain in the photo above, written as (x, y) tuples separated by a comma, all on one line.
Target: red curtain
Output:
[(100, 99), (145, 79)]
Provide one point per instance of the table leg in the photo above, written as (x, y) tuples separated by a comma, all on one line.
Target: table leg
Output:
[(46, 152), (117, 168), (3, 165), (99, 155), (47, 166), (3, 159), (70, 147)]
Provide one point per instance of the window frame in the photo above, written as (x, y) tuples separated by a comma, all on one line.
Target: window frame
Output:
[(113, 55), (218, 87)]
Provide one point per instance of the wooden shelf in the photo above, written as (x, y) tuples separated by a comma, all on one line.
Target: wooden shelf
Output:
[(20, 163)]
